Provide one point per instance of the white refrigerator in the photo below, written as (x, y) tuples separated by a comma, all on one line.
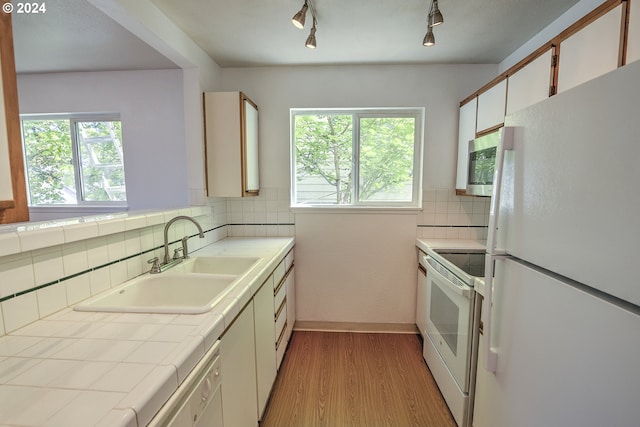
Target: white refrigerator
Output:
[(561, 315)]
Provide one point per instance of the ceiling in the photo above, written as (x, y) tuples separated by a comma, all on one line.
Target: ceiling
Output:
[(75, 36)]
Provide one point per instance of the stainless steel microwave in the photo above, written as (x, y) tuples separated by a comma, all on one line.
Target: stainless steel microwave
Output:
[(482, 164)]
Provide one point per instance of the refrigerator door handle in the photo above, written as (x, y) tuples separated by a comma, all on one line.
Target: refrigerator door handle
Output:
[(506, 143), (491, 355)]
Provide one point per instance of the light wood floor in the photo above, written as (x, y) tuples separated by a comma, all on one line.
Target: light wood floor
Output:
[(342, 379)]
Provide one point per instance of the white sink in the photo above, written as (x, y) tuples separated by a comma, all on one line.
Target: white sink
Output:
[(216, 265), (168, 292)]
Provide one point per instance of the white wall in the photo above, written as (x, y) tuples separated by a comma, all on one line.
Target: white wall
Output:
[(572, 15), (357, 267), (201, 73), (151, 108)]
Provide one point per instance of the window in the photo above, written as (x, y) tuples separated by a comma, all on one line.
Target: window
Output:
[(364, 158), (73, 160)]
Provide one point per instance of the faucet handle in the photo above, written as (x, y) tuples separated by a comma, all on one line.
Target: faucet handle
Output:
[(176, 253), (185, 249), (155, 267)]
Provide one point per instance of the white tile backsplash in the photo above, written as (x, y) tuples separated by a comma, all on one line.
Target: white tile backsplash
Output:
[(74, 258), (78, 288), (446, 215), (51, 299), (17, 273), (81, 231), (20, 311), (9, 243), (36, 238)]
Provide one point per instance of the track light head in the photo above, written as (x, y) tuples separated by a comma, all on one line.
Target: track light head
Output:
[(436, 15), (311, 40), (429, 38), (298, 18)]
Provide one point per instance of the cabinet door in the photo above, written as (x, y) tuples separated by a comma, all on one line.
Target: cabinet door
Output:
[(231, 144), (591, 52), (530, 84), (265, 343), (237, 353), (466, 132), (491, 107)]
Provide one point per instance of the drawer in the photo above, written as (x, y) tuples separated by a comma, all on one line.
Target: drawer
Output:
[(281, 349), (281, 320), (288, 260), (278, 274), (279, 293)]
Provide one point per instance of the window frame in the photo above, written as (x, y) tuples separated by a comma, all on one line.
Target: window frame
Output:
[(73, 119), (417, 113)]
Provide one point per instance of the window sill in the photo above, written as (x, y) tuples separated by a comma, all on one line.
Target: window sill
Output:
[(78, 209), (399, 210)]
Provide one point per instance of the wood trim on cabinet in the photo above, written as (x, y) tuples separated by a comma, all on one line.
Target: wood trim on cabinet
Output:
[(624, 34), (19, 212), (553, 77), (204, 141), (243, 145), (282, 332), (489, 130), (279, 310), (596, 13)]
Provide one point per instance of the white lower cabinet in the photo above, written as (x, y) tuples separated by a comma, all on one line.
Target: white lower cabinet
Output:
[(265, 337), (249, 353), (238, 349)]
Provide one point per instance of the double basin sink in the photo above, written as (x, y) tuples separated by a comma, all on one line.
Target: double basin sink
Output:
[(191, 287)]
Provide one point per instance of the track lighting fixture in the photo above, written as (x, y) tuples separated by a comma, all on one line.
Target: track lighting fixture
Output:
[(299, 18), (311, 40), (429, 38), (434, 18), (436, 15)]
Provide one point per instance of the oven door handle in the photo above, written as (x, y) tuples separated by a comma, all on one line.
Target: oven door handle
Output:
[(465, 291)]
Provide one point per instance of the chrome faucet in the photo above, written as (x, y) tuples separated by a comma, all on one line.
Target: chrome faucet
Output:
[(184, 239)]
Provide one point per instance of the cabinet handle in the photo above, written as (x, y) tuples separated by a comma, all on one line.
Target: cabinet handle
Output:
[(282, 282), (284, 328), (282, 304)]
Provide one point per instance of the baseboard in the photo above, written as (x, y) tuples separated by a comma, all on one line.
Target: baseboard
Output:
[(394, 328)]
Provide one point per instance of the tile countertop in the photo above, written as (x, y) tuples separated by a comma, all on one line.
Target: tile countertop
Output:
[(118, 369), (451, 244)]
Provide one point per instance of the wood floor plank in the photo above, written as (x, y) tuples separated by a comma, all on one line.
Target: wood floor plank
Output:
[(336, 379)]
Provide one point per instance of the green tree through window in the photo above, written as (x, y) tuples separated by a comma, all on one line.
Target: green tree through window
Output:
[(356, 157), (73, 161)]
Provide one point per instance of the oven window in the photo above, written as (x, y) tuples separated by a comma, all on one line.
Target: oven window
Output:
[(481, 166), (444, 315)]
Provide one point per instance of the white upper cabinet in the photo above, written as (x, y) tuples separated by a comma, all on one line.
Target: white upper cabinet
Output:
[(633, 38), (491, 107), (591, 52), (529, 84), (466, 132), (231, 142)]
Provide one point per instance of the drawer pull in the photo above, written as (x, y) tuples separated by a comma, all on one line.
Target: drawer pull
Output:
[(284, 329), (282, 305)]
